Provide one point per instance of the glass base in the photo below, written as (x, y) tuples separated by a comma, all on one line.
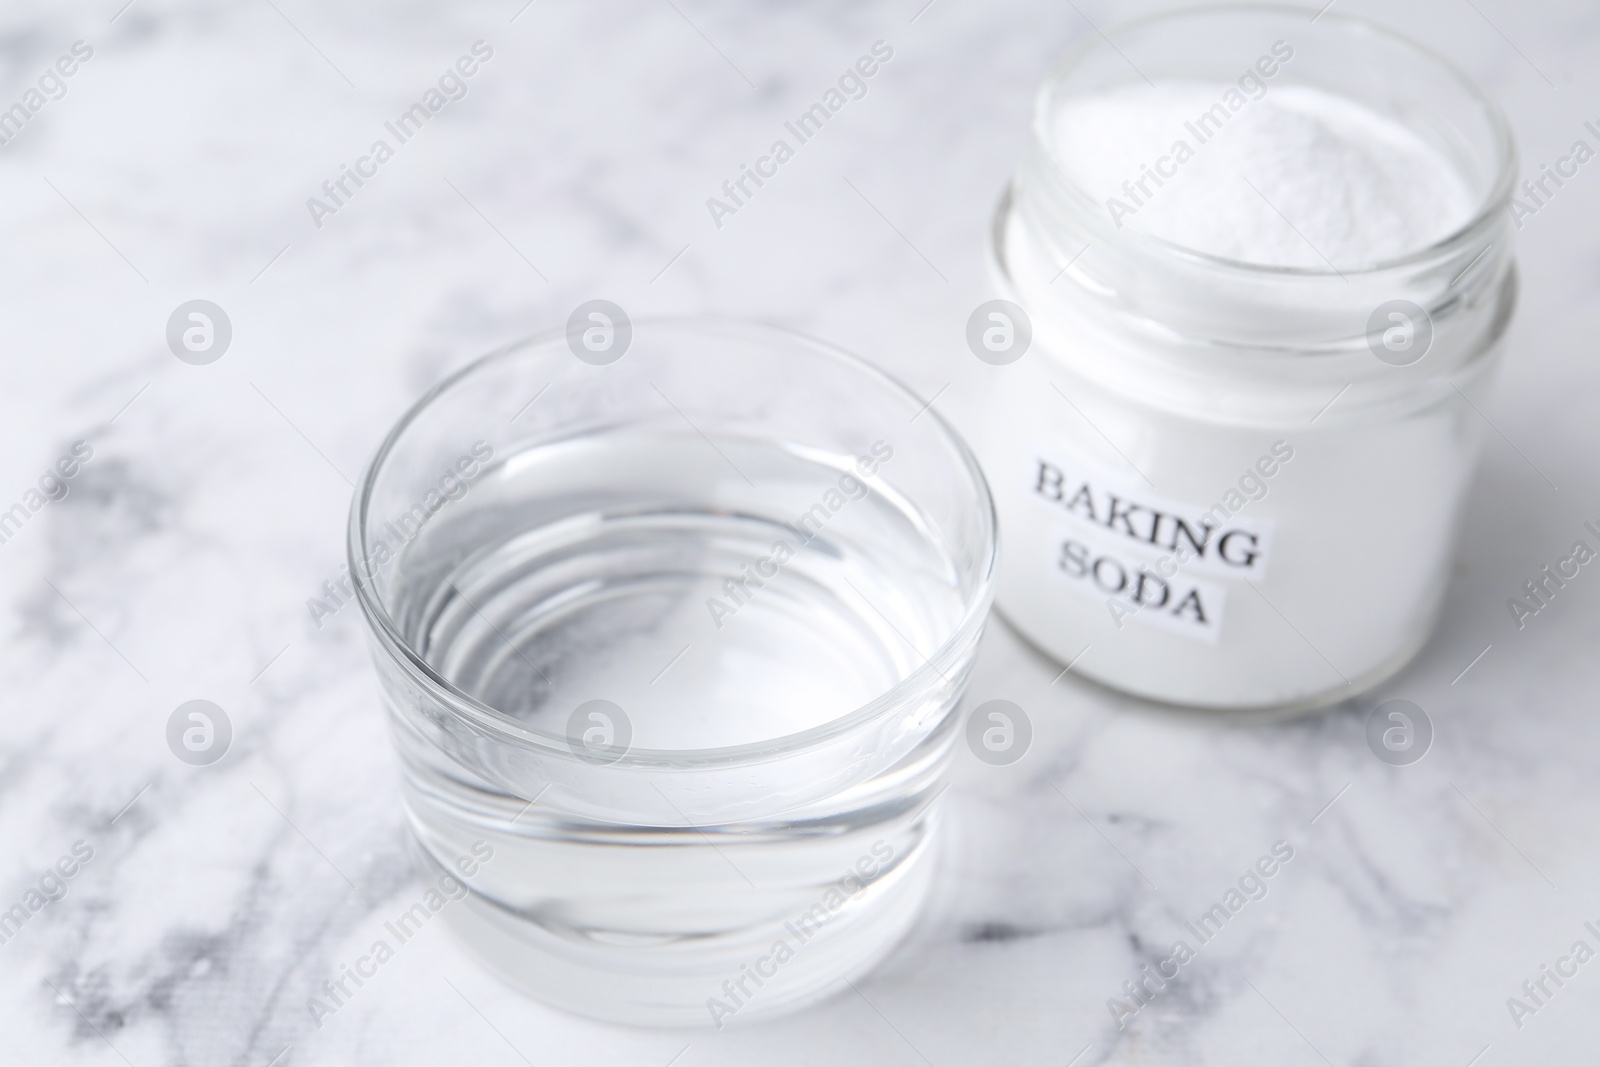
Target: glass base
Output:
[(709, 924), (724, 977), (1314, 700)]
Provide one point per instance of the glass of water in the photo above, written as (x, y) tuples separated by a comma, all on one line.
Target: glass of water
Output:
[(671, 620)]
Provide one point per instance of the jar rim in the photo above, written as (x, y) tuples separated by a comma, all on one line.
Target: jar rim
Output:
[(504, 728), (1498, 193)]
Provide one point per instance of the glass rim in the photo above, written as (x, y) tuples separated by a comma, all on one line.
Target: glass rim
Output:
[(504, 728), (1482, 220)]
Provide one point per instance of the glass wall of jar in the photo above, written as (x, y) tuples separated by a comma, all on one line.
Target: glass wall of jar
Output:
[(1229, 484)]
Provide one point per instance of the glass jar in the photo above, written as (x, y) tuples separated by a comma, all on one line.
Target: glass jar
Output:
[(1224, 484)]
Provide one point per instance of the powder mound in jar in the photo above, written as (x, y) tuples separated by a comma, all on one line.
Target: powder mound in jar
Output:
[(1297, 178)]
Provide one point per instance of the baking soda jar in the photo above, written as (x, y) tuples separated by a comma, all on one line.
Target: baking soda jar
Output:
[(1252, 269)]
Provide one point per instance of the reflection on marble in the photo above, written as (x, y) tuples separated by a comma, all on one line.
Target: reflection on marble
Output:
[(217, 899)]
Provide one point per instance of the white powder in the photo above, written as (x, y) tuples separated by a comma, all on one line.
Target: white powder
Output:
[(1296, 178)]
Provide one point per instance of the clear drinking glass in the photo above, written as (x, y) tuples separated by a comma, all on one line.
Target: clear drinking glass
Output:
[(671, 620)]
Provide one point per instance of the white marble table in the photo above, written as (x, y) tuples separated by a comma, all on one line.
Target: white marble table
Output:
[(177, 166)]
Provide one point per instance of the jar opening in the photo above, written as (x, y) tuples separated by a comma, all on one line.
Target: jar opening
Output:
[(1068, 254), (1257, 58)]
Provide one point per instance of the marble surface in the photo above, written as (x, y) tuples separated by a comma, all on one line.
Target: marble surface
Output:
[(177, 165)]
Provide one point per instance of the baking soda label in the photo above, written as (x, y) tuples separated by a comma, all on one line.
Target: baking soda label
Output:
[(1149, 559)]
